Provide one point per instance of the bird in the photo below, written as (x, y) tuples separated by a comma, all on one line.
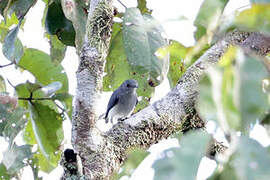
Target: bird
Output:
[(122, 101)]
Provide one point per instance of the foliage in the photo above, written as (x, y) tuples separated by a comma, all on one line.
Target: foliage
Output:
[(234, 94), (183, 163)]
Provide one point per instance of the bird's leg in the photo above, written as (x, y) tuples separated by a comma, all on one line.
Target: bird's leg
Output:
[(122, 119)]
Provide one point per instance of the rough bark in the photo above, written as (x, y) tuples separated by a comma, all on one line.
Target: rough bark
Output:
[(102, 153)]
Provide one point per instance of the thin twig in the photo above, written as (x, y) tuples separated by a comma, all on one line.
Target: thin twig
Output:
[(10, 83), (31, 98), (122, 4), (62, 109), (2, 66)]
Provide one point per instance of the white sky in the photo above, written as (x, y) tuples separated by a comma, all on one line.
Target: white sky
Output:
[(166, 12)]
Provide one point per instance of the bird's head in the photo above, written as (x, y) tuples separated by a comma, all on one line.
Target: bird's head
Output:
[(130, 85)]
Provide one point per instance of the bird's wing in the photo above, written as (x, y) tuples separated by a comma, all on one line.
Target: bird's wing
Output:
[(112, 102)]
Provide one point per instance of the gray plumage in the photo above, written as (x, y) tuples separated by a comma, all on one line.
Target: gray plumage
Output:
[(122, 101)]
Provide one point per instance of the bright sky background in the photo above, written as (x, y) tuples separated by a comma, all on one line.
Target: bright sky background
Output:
[(167, 12)]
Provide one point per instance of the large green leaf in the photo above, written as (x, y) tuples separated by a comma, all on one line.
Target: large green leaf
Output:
[(76, 11), (206, 105), (252, 102), (183, 162), (47, 128), (12, 47), (39, 161), (217, 99), (14, 156), (57, 24), (249, 161), (142, 38), (235, 97), (12, 121), (27, 90), (257, 18), (42, 67), (208, 16)]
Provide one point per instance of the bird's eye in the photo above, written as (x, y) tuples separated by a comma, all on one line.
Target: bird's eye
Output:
[(128, 85)]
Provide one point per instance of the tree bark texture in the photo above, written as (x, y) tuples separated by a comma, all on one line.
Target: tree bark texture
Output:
[(102, 153)]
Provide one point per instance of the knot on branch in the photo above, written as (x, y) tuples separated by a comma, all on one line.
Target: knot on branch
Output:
[(192, 120), (257, 43), (69, 163)]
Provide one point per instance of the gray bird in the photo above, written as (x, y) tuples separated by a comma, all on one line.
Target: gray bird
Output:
[(122, 101)]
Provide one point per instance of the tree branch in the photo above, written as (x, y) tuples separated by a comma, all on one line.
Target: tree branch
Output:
[(103, 153), (85, 135)]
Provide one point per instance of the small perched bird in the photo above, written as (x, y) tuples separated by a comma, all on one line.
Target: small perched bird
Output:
[(122, 101)]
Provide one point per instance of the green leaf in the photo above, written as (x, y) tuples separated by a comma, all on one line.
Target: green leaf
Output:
[(177, 53), (12, 47), (250, 160), (237, 98), (20, 7), (3, 172), (208, 16), (45, 164), (39, 161), (132, 162), (142, 7), (11, 20), (206, 105), (183, 162), (257, 18), (252, 102), (14, 156), (2, 84), (57, 24), (41, 66), (28, 133), (142, 38), (47, 128), (12, 121), (217, 97), (27, 89), (117, 67), (224, 174), (77, 13), (57, 50)]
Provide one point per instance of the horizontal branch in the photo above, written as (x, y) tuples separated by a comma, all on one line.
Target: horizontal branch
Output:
[(174, 112)]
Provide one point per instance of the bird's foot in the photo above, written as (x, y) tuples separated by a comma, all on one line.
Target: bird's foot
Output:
[(122, 119)]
